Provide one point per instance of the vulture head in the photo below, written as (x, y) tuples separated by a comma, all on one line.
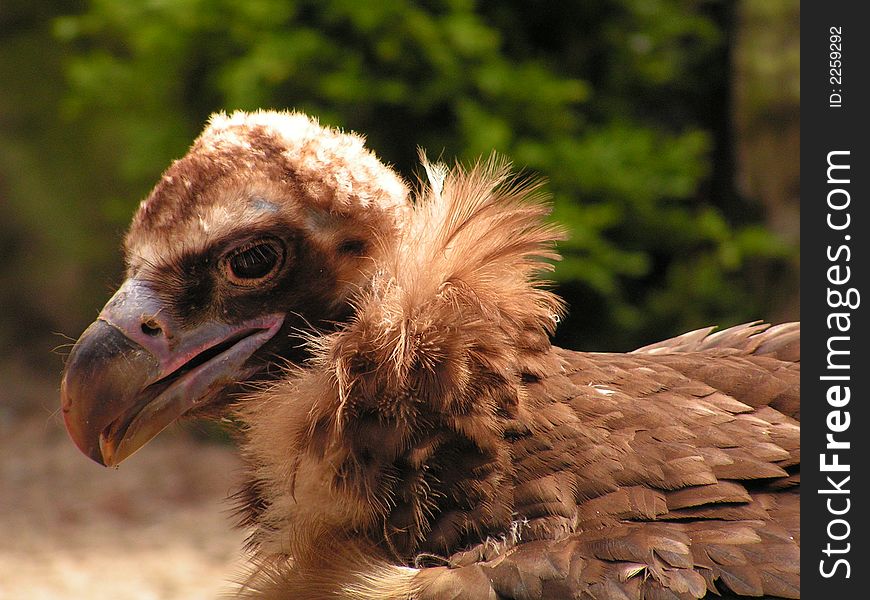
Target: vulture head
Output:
[(263, 231)]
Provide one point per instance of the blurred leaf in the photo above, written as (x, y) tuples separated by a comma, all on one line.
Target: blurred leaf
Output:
[(609, 99)]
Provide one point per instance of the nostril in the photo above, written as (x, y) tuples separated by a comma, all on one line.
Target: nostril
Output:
[(151, 328)]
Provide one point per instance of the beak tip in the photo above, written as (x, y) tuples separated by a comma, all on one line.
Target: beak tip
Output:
[(92, 451), (75, 426), (106, 452), (98, 458)]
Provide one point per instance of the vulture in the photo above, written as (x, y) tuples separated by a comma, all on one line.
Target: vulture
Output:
[(408, 429)]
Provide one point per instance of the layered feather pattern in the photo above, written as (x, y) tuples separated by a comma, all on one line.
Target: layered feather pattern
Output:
[(437, 446)]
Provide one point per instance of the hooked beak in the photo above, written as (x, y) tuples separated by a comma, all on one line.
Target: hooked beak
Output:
[(134, 371)]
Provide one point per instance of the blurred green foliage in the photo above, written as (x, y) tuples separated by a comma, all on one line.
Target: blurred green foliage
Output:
[(623, 105)]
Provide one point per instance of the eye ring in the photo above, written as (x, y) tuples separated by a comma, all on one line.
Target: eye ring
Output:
[(254, 262)]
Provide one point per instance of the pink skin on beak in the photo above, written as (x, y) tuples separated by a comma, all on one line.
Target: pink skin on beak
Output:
[(135, 370)]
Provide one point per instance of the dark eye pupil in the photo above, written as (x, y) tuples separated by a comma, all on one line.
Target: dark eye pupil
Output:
[(254, 262), (352, 247)]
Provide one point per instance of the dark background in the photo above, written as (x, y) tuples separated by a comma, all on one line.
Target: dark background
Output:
[(834, 129)]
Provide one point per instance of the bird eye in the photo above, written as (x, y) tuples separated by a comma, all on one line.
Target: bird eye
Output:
[(254, 263)]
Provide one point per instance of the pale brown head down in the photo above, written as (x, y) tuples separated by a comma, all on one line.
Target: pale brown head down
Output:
[(250, 171)]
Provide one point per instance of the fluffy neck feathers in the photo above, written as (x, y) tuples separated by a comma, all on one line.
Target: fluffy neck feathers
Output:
[(364, 438)]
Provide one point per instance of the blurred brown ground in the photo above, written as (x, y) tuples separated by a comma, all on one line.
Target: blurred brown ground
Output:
[(157, 528)]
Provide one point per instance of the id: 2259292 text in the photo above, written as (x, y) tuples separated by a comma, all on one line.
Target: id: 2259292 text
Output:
[(835, 66)]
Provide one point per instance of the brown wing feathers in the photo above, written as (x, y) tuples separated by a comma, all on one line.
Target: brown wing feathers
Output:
[(440, 427), (782, 342)]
